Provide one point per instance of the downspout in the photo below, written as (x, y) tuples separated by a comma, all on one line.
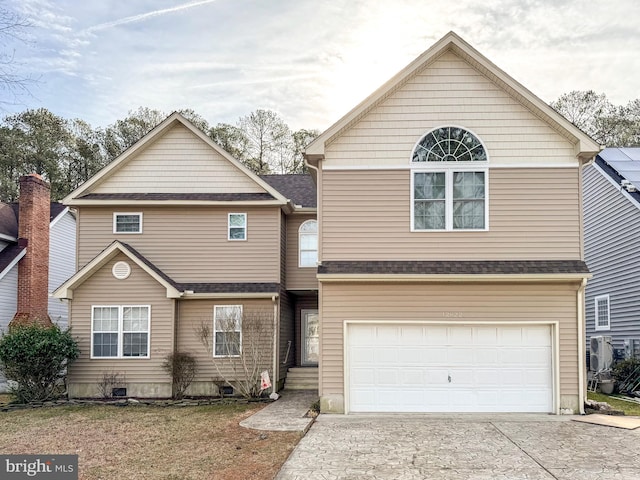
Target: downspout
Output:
[(274, 382), (581, 346)]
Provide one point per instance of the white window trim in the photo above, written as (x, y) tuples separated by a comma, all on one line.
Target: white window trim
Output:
[(300, 233), (449, 170), (121, 332), (229, 228), (115, 216), (596, 300), (215, 309)]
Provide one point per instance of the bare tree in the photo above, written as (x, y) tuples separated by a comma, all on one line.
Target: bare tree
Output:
[(12, 82), (241, 346)]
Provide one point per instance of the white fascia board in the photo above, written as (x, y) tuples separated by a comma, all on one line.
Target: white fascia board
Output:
[(57, 219), (261, 203)]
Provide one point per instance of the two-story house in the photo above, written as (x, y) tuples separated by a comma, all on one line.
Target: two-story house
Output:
[(448, 238), (450, 252), (612, 251), (182, 248)]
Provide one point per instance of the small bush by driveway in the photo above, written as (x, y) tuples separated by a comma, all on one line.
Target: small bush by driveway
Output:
[(137, 442)]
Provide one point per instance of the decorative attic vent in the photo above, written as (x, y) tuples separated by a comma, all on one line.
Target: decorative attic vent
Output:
[(121, 270)]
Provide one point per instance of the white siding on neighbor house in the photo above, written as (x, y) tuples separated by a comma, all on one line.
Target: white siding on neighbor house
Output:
[(172, 163), (612, 253), (8, 297), (449, 91), (62, 264)]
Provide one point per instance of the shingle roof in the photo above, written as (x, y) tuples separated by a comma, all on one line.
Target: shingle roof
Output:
[(498, 267), (9, 214), (231, 287), (206, 287), (8, 255), (219, 197), (298, 188)]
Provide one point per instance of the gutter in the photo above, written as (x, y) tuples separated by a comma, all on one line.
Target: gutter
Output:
[(582, 340), (276, 379)]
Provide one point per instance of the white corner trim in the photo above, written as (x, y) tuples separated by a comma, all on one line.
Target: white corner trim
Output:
[(13, 263)]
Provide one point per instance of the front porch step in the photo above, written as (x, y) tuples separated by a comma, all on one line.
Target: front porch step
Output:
[(302, 378)]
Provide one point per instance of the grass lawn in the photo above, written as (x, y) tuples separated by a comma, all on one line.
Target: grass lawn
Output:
[(629, 408), (136, 442)]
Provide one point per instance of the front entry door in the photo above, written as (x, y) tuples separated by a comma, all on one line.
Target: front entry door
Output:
[(310, 338)]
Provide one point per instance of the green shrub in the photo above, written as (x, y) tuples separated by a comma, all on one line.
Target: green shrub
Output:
[(36, 358), (182, 368), (623, 369)]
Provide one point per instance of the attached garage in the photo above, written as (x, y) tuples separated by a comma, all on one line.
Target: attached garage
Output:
[(426, 367)]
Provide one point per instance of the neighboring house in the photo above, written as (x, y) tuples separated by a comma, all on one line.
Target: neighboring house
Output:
[(37, 253), (451, 259), (611, 189), (62, 259), (175, 238)]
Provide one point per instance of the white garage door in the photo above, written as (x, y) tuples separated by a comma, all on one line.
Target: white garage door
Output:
[(444, 368)]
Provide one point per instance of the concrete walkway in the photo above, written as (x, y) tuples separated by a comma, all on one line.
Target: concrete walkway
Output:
[(462, 447), (287, 414)]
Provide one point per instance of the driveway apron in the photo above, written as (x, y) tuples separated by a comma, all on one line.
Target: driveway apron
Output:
[(513, 447)]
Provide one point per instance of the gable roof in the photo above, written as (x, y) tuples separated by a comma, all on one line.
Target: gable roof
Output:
[(585, 147), (84, 195), (174, 289), (299, 188), (9, 257), (66, 289)]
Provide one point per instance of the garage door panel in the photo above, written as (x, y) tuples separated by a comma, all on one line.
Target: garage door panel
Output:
[(489, 368)]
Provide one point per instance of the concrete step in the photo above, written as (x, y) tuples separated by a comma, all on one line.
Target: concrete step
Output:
[(302, 378)]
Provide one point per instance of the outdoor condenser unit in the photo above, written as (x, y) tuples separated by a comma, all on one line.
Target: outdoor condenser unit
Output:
[(600, 353)]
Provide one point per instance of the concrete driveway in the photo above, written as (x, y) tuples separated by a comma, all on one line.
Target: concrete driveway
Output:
[(403, 447)]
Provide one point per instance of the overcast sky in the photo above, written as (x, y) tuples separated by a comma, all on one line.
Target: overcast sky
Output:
[(309, 60)]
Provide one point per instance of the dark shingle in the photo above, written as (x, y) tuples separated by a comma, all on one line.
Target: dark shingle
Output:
[(216, 197), (498, 267), (231, 287), (298, 188), (9, 214), (8, 255)]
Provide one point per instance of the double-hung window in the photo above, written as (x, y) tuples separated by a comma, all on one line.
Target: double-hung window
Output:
[(127, 222), (602, 316), (449, 180), (237, 226), (120, 331), (227, 330)]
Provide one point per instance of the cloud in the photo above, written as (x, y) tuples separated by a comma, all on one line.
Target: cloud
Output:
[(144, 16)]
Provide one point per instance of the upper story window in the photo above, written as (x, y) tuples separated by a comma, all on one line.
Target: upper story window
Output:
[(308, 243), (603, 320), (127, 222), (237, 226), (449, 181)]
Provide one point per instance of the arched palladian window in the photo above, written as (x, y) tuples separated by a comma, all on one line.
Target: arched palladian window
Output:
[(449, 181), (308, 244)]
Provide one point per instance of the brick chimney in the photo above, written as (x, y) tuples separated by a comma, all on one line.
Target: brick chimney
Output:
[(33, 268)]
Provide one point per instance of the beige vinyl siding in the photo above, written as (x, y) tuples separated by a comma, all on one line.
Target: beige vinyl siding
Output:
[(448, 92), (190, 244), (298, 278), (398, 302), (195, 313), (533, 214), (102, 289), (172, 163)]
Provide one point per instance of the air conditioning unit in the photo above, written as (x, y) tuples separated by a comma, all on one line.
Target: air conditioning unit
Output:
[(631, 348), (600, 353)]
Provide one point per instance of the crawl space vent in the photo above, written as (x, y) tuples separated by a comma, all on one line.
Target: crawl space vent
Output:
[(121, 270)]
